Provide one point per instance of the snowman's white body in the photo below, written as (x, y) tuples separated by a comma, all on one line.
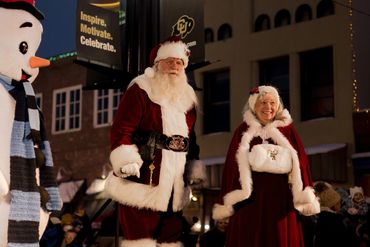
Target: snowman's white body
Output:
[(12, 62)]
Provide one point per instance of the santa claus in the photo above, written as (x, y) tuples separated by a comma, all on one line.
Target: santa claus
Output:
[(27, 188), (150, 146)]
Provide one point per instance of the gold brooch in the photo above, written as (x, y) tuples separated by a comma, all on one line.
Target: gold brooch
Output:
[(272, 153)]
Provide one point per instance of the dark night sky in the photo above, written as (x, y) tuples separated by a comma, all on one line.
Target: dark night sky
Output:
[(59, 27)]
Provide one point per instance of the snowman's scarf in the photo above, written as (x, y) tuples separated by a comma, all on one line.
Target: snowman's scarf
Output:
[(28, 131)]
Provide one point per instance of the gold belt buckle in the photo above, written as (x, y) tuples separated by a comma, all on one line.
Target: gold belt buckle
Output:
[(177, 143)]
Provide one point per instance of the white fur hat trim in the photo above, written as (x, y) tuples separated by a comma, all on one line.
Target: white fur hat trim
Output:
[(262, 90), (173, 49)]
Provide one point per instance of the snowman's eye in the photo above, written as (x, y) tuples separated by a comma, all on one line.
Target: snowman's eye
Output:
[(23, 47)]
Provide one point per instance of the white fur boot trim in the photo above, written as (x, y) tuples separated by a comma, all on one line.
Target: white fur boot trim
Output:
[(144, 242), (176, 244)]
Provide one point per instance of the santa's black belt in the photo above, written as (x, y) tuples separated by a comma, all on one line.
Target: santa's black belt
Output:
[(175, 143), (147, 142)]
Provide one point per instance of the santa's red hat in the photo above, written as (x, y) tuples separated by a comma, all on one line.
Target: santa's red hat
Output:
[(171, 47), (27, 5)]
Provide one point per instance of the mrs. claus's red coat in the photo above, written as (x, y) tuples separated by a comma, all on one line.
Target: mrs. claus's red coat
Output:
[(263, 206)]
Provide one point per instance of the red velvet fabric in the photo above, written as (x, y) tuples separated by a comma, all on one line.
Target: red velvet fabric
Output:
[(143, 223), (267, 218), (138, 113)]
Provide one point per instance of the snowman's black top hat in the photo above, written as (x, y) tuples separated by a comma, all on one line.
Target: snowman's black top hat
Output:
[(27, 5)]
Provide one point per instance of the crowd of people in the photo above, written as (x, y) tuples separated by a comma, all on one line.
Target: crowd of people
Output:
[(343, 219), (70, 229)]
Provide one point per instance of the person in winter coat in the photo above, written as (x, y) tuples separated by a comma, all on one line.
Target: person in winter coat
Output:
[(330, 228), (150, 144), (266, 180)]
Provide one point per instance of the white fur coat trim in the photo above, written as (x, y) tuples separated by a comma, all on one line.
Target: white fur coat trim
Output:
[(304, 199), (145, 242), (123, 155), (154, 197), (171, 170)]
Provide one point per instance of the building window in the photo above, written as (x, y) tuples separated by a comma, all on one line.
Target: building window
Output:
[(325, 8), (328, 162), (275, 72), (303, 13), (67, 109), (262, 23), (282, 18), (317, 90), (39, 100), (224, 32), (216, 101), (208, 35), (106, 104)]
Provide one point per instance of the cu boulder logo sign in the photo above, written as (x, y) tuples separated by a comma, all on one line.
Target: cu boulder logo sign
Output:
[(184, 25)]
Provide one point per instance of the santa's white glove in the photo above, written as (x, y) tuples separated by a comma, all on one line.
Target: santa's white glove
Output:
[(130, 169)]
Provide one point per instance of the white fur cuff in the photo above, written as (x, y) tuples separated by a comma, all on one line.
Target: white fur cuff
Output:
[(306, 202), (123, 155), (222, 211)]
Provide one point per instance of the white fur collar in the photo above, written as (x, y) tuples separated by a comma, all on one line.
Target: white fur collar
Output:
[(187, 101)]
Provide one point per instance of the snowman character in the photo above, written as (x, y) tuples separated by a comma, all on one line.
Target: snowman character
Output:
[(28, 191)]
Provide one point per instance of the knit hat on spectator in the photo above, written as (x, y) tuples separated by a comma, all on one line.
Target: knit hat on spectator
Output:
[(354, 190), (67, 219), (328, 196)]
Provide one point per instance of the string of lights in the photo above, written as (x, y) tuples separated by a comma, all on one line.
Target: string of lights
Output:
[(61, 56), (349, 6), (353, 64), (355, 89)]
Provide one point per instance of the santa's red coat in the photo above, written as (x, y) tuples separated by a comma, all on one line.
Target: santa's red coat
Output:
[(141, 110), (263, 205)]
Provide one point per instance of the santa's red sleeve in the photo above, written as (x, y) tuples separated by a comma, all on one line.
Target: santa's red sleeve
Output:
[(127, 117), (125, 123)]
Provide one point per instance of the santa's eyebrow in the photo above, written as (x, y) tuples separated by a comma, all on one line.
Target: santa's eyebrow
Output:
[(26, 24)]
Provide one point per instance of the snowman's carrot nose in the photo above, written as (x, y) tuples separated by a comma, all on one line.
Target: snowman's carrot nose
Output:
[(37, 62)]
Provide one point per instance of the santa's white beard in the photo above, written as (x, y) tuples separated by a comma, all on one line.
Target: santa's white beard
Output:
[(170, 87)]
